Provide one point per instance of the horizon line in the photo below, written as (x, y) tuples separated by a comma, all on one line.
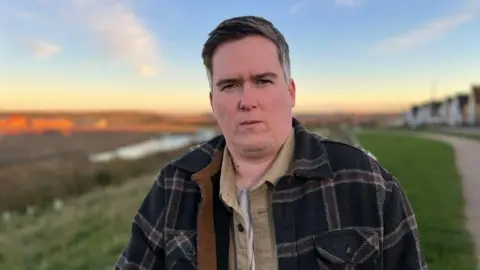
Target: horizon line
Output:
[(147, 111)]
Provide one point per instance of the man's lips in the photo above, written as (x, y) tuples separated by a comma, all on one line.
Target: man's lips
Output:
[(249, 122)]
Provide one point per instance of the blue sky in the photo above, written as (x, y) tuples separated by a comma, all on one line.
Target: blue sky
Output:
[(363, 55)]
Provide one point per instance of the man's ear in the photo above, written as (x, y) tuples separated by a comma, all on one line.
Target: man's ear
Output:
[(292, 91), (211, 103)]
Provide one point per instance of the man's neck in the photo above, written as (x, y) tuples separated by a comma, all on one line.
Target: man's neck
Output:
[(249, 169), (248, 172)]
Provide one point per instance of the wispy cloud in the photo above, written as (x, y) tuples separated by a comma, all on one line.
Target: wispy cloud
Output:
[(122, 32), (44, 49), (428, 31)]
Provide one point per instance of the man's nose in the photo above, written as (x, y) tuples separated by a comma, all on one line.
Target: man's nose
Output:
[(248, 99)]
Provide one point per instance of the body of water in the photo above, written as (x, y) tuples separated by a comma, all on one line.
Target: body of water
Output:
[(153, 146)]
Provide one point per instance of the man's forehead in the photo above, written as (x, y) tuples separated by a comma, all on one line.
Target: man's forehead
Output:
[(236, 53)]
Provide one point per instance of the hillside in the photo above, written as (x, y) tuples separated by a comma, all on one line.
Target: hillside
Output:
[(93, 230)]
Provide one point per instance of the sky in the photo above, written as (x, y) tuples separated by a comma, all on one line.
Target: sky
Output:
[(347, 55)]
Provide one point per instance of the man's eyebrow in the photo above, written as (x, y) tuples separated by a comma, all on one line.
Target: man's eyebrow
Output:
[(264, 75), (252, 77), (227, 81)]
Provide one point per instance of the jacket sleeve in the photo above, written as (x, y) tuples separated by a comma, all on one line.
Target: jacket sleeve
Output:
[(145, 248), (401, 243)]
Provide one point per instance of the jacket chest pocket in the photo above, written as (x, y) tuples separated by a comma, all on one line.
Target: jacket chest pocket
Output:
[(181, 250), (347, 249)]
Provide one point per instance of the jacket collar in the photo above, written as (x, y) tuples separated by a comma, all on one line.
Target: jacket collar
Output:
[(310, 157)]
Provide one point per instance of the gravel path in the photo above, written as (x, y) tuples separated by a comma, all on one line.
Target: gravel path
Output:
[(467, 153)]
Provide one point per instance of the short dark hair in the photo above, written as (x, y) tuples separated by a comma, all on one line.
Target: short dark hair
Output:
[(240, 27)]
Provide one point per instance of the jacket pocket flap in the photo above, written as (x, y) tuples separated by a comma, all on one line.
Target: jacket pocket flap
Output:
[(354, 245)]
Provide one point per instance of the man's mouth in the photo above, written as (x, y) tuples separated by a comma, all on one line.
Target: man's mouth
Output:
[(250, 122)]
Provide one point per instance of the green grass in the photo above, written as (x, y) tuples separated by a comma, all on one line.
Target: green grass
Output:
[(459, 133), (440, 131), (426, 170), (89, 233)]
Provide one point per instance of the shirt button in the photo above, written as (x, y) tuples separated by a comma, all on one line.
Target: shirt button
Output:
[(240, 227)]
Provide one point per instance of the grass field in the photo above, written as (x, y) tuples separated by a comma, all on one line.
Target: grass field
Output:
[(89, 233), (426, 169), (458, 133), (18, 148), (36, 169)]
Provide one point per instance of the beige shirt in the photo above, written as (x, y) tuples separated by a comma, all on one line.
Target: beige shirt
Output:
[(255, 250)]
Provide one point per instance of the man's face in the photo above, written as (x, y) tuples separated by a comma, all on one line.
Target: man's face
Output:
[(251, 99)]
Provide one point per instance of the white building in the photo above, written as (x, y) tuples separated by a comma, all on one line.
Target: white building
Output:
[(410, 117), (445, 110), (456, 114), (429, 113), (473, 107)]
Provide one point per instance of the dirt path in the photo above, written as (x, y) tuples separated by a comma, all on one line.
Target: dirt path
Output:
[(467, 153)]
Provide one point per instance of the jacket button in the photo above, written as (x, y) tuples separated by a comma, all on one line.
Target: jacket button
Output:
[(240, 227)]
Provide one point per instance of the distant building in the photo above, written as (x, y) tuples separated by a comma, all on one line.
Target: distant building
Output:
[(423, 115), (473, 107), (445, 110), (435, 113), (458, 110), (411, 117), (429, 113), (457, 113)]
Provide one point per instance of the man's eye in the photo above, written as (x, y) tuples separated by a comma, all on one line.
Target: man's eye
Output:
[(229, 86), (263, 82)]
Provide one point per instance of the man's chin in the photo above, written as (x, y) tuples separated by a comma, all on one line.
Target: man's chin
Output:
[(253, 146)]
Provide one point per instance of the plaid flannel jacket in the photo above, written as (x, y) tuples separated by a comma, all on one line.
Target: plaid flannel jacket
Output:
[(337, 208)]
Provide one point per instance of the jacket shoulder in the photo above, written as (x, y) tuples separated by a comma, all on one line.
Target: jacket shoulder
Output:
[(199, 156), (346, 157)]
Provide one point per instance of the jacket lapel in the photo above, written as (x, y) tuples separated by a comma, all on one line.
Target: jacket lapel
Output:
[(206, 241)]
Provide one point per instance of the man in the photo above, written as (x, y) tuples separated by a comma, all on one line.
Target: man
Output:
[(269, 194)]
